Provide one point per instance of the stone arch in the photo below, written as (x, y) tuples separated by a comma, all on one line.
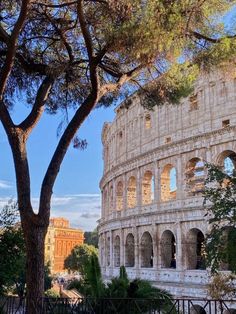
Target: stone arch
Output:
[(129, 251), (119, 196), (131, 192), (197, 309), (147, 188), (168, 183), (195, 176), (168, 250), (227, 161), (117, 251), (146, 247), (195, 249)]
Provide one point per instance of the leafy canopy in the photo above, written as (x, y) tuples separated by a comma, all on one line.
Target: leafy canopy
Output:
[(13, 253), (79, 257), (121, 36)]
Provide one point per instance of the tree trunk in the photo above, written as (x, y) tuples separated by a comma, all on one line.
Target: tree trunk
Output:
[(34, 236)]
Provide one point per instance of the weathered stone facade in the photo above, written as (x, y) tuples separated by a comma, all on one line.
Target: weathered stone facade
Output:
[(152, 208)]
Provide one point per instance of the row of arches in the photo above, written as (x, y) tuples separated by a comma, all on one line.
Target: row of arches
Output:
[(167, 250), (194, 183)]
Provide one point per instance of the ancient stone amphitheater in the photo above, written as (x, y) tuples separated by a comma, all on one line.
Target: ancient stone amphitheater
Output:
[(153, 220)]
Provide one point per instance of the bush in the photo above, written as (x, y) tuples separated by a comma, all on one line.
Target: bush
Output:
[(51, 293)]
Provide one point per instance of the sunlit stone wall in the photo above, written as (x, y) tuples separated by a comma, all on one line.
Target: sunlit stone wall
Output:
[(153, 220)]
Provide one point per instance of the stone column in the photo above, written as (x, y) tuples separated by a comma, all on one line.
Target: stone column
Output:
[(154, 246), (158, 171), (157, 184), (122, 248), (180, 180), (125, 191), (139, 189), (111, 250), (158, 248), (180, 261), (136, 251)]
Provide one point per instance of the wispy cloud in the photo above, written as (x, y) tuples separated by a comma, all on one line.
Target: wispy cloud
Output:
[(82, 210), (5, 184)]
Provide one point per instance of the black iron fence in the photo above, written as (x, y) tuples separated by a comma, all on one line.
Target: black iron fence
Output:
[(14, 305)]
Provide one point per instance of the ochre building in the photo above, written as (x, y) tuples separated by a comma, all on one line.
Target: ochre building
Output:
[(59, 242), (153, 220)]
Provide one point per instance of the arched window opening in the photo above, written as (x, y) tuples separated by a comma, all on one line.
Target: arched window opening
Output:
[(227, 161), (168, 183), (131, 193), (119, 196), (147, 121), (129, 251), (195, 250), (168, 250), (148, 188), (195, 176), (229, 165), (117, 251), (146, 250)]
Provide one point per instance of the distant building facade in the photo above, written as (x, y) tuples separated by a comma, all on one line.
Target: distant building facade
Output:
[(153, 220), (59, 242)]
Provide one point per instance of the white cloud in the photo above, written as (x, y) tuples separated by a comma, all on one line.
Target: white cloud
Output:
[(82, 210), (5, 184)]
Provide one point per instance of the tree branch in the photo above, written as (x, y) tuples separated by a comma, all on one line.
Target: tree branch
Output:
[(59, 154), (12, 46), (210, 39), (38, 107), (85, 31)]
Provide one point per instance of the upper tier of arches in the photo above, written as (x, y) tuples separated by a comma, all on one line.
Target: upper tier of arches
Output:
[(143, 187), (136, 131)]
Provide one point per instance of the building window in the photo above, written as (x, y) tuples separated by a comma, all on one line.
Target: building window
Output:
[(225, 123), (168, 183), (148, 123), (193, 102), (168, 140)]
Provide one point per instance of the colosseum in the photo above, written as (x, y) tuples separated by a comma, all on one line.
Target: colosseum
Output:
[(153, 220)]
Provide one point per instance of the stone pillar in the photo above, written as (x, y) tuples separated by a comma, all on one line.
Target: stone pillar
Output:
[(125, 184), (111, 266), (180, 180), (157, 184), (158, 171), (158, 248), (113, 207), (139, 188), (154, 245), (136, 251), (122, 248), (180, 261)]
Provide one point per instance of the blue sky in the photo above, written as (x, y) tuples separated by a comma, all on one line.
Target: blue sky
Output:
[(76, 193)]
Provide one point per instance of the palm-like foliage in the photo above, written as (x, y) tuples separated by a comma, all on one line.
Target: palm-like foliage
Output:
[(122, 295)]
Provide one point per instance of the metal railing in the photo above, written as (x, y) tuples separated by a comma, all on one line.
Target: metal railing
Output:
[(14, 305)]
